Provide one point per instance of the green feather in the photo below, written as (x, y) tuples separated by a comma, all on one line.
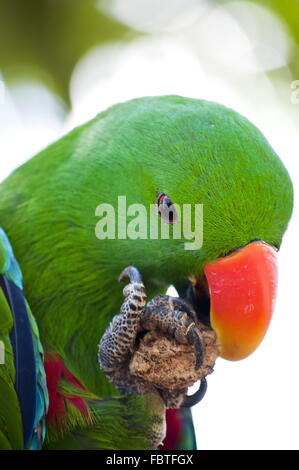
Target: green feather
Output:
[(11, 431), (122, 423)]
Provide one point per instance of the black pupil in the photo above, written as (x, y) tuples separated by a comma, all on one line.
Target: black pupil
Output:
[(167, 202)]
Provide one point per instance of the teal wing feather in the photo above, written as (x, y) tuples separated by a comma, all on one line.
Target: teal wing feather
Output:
[(180, 433), (188, 439), (12, 432), (42, 397)]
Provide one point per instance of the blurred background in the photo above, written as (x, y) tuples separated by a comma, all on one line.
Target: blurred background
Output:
[(63, 61)]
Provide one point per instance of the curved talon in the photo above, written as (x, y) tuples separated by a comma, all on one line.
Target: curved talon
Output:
[(195, 339), (132, 273), (182, 305), (197, 396)]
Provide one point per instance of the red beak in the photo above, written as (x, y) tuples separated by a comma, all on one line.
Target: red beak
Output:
[(242, 292)]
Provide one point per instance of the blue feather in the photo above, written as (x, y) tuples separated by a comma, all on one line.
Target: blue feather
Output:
[(30, 382)]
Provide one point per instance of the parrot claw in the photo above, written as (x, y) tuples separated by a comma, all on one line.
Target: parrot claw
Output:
[(195, 339), (172, 316), (175, 317), (192, 400), (132, 273), (118, 341)]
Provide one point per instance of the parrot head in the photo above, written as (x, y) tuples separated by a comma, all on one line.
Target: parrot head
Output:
[(176, 152)]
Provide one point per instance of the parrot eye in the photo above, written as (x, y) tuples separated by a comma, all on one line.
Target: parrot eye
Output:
[(166, 209)]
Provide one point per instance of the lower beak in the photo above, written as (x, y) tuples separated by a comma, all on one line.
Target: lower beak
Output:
[(242, 289)]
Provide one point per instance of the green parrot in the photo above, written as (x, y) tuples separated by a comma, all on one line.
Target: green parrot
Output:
[(161, 152)]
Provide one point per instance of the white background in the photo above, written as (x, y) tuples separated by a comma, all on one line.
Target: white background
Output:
[(201, 53)]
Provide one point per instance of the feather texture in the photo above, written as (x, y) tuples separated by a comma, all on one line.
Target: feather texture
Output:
[(24, 374)]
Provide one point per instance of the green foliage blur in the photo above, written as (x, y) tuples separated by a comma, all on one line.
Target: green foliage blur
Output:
[(44, 39)]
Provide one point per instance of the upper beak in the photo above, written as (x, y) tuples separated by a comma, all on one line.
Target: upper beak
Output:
[(242, 289)]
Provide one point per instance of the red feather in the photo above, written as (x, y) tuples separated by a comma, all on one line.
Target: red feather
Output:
[(55, 372), (174, 429)]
